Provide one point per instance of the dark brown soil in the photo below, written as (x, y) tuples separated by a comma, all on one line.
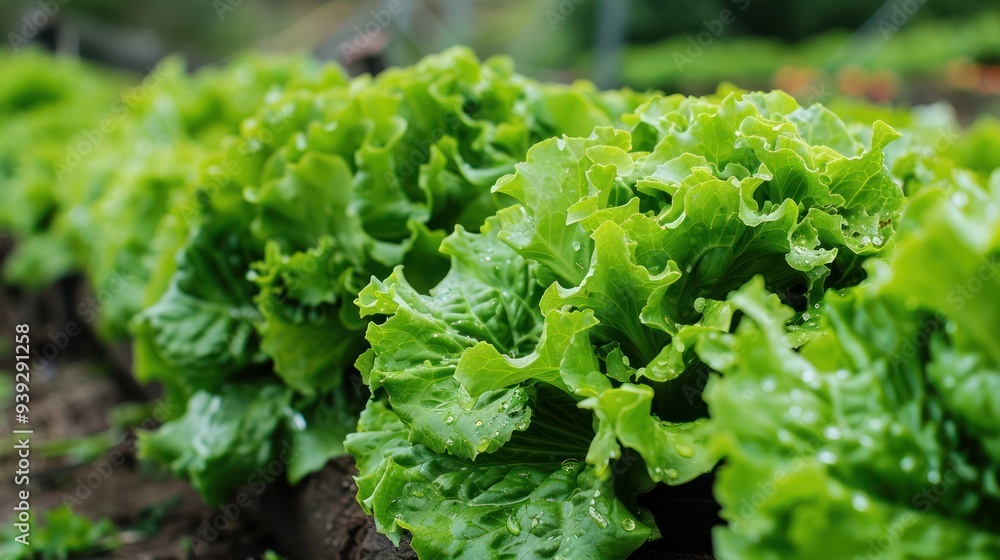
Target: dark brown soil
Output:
[(74, 401), (320, 519), (72, 395)]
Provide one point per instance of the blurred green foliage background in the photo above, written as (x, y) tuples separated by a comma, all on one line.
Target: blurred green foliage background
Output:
[(548, 34)]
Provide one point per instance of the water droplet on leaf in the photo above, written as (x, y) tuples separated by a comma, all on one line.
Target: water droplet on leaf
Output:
[(859, 502), (513, 527), (597, 517)]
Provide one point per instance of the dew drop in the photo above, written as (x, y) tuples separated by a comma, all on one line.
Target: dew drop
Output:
[(685, 451), (513, 527), (597, 517), (671, 473), (859, 502), (479, 423), (768, 385), (628, 524), (959, 199), (576, 245), (449, 420)]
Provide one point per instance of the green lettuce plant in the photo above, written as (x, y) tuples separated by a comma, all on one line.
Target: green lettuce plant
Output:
[(45, 102), (107, 159), (521, 405), (323, 188), (163, 138), (878, 438)]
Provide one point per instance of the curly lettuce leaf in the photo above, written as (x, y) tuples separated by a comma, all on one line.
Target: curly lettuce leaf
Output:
[(881, 431), (203, 324), (477, 300), (457, 508), (632, 252), (223, 439)]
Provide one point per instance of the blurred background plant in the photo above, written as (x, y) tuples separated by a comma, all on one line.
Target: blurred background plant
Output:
[(896, 50)]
